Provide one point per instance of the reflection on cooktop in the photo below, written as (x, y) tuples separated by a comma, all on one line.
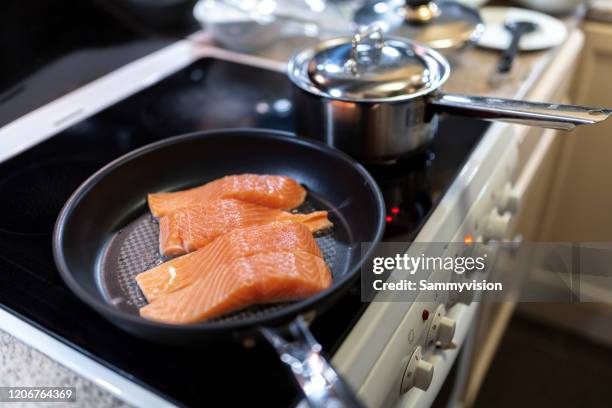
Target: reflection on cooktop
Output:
[(412, 187), (406, 186), (185, 101)]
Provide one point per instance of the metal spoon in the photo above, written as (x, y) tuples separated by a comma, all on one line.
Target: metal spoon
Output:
[(517, 29)]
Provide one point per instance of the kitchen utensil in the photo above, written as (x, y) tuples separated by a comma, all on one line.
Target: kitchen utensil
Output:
[(550, 33), (378, 99), (517, 29), (256, 25), (446, 26), (104, 236)]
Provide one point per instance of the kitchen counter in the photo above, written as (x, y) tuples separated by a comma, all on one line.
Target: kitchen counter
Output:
[(474, 73), (20, 365), (600, 10)]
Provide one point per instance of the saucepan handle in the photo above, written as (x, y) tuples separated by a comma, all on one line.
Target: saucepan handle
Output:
[(320, 382), (547, 115)]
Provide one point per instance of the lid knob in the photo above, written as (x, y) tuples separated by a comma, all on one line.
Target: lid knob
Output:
[(419, 11), (373, 32)]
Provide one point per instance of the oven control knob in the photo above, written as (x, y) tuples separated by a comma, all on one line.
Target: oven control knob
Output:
[(418, 373), (442, 329), (446, 331), (507, 199), (496, 225), (423, 375)]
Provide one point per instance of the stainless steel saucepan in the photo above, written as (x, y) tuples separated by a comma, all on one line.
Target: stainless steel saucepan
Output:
[(378, 99)]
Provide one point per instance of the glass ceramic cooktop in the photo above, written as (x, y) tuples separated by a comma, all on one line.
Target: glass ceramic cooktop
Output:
[(209, 94)]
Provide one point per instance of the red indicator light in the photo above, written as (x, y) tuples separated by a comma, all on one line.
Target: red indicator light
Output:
[(425, 315), (468, 239), (395, 210), (389, 218)]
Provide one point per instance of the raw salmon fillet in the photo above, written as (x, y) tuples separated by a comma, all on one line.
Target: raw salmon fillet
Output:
[(272, 191), (239, 243), (192, 228), (261, 278)]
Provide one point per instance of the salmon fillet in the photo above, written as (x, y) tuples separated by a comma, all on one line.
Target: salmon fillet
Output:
[(272, 191), (239, 243), (192, 228), (261, 278)]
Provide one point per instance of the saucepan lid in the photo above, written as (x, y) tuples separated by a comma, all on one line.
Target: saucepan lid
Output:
[(369, 68), (446, 26)]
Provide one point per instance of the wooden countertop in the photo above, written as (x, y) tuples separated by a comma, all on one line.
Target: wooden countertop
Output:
[(473, 72), (600, 10)]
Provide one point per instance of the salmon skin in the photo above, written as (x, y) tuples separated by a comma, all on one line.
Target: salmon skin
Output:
[(261, 278), (192, 228), (239, 243), (272, 191)]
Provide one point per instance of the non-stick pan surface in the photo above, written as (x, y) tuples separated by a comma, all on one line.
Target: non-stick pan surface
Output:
[(105, 235)]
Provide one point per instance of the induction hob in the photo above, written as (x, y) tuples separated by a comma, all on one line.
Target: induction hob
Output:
[(208, 94), (50, 48)]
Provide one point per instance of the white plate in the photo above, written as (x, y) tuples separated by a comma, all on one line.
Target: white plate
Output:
[(550, 32), (473, 3)]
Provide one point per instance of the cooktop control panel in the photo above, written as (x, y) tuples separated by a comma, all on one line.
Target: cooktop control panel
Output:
[(419, 355)]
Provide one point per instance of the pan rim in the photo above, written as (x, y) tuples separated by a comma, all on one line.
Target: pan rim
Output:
[(285, 313)]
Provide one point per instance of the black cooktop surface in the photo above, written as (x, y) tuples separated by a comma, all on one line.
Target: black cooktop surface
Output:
[(49, 48), (208, 94)]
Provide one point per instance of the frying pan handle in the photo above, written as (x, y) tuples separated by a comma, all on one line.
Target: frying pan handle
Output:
[(547, 115), (320, 382)]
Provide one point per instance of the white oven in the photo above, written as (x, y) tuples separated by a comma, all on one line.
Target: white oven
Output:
[(496, 196)]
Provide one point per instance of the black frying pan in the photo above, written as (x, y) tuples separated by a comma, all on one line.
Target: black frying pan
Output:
[(105, 236)]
